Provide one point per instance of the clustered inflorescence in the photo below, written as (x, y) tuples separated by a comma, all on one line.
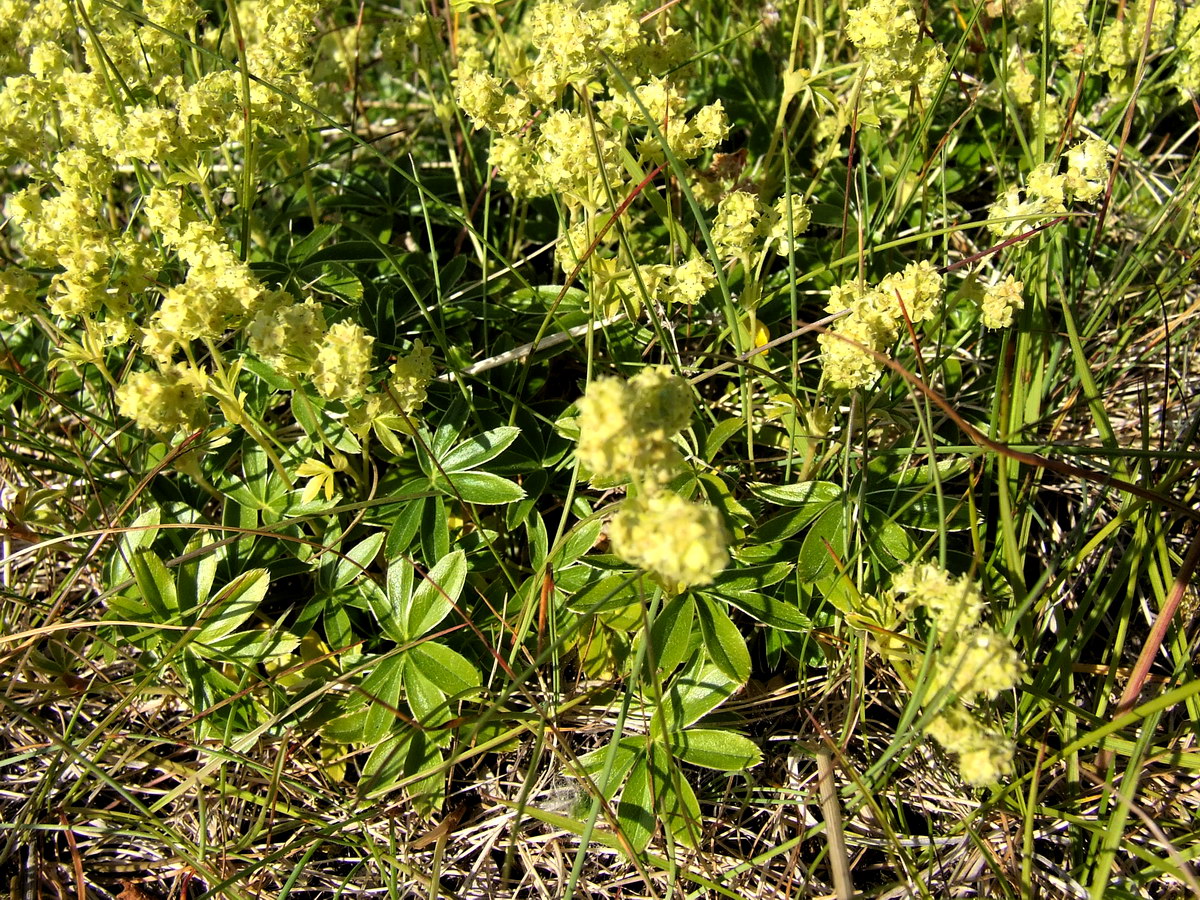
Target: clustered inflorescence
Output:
[(141, 102), (625, 435), (583, 103), (972, 661)]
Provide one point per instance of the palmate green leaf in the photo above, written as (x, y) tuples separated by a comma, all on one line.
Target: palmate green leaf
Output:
[(249, 647), (390, 607), (725, 645), (141, 533), (635, 812), (385, 766), (824, 541), (712, 748), (426, 700), (481, 448), (480, 487), (817, 494), (578, 541), (611, 592), (383, 687), (400, 757), (404, 528), (234, 605), (448, 669), (194, 578), (436, 594)]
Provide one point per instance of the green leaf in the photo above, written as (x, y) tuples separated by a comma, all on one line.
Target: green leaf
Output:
[(721, 432), (823, 548), (671, 633), (436, 594), (750, 578), (715, 749), (612, 592), (141, 533), (344, 252), (428, 793), (628, 750), (156, 585), (578, 541), (481, 487), (724, 643), (385, 766), (887, 539), (404, 528), (635, 812), (426, 700), (676, 805), (382, 688), (448, 669), (234, 605), (450, 426), (435, 529), (356, 559), (479, 449), (390, 608), (249, 647), (803, 493), (700, 688), (766, 609)]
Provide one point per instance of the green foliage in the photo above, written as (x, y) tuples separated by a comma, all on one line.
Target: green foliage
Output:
[(405, 407)]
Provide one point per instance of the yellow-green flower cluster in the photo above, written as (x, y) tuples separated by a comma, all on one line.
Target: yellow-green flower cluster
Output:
[(626, 427), (973, 662), (680, 543), (738, 224), (167, 402), (411, 376), (1000, 301), (792, 217), (1048, 191), (1186, 75), (896, 57), (18, 294), (287, 335), (419, 31), (625, 432), (342, 367), (876, 317), (576, 152), (984, 755), (1145, 22), (953, 603)]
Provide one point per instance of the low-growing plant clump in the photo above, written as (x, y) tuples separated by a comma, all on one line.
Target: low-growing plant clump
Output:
[(599, 448)]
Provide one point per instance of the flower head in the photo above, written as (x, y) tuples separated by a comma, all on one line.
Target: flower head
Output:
[(680, 543), (342, 368)]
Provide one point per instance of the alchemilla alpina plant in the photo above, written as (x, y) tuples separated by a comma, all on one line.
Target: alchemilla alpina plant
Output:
[(594, 428)]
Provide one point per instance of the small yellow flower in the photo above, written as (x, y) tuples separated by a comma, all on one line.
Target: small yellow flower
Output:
[(320, 477)]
